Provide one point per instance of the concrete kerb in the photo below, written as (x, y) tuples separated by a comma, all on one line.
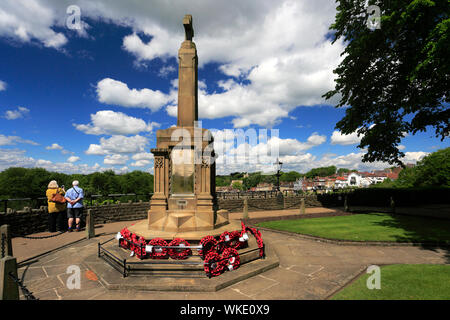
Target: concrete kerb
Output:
[(348, 281), (357, 243)]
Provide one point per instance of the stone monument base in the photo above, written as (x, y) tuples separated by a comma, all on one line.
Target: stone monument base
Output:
[(141, 229), (176, 277)]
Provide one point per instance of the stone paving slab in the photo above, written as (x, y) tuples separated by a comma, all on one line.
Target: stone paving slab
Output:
[(308, 270)]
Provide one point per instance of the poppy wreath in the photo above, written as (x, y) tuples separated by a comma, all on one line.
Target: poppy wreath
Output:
[(232, 261), (134, 242), (139, 249), (158, 253), (257, 234), (258, 238), (179, 254), (209, 244), (126, 235), (213, 265), (235, 241)]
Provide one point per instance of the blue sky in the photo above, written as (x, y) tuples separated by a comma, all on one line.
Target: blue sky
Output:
[(92, 99)]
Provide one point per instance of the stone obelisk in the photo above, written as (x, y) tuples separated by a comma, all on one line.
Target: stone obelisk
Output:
[(187, 78)]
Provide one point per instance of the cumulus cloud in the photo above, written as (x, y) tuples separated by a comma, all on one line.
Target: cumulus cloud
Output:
[(18, 113), (54, 146), (118, 144), (140, 163), (115, 123), (73, 159), (277, 52), (2, 85), (115, 159), (31, 20), (13, 140), (142, 156), (115, 92), (18, 158), (239, 150), (345, 139)]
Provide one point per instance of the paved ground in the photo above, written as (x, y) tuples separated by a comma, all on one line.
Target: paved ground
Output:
[(308, 269)]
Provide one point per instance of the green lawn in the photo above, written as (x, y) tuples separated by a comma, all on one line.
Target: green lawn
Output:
[(402, 282), (368, 227)]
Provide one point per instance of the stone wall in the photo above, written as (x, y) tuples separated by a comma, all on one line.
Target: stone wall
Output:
[(275, 203), (28, 221)]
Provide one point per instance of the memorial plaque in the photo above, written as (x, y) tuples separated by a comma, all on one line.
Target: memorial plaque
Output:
[(182, 172)]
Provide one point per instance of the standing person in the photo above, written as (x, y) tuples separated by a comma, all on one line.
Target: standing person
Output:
[(56, 210), (74, 197)]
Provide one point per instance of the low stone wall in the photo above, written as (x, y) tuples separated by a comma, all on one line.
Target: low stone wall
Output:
[(28, 221), (275, 203)]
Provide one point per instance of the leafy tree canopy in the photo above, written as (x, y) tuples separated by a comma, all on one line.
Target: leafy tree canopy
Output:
[(393, 80), (32, 183)]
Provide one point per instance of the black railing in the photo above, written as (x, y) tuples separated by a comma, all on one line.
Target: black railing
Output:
[(255, 194)]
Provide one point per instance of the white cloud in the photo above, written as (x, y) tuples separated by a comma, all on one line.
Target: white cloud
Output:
[(140, 163), (73, 159), (276, 51), (115, 159), (2, 85), (118, 144), (115, 123), (114, 92), (142, 156), (17, 158), (54, 146), (166, 70), (401, 147), (20, 112), (13, 140), (31, 20), (345, 139)]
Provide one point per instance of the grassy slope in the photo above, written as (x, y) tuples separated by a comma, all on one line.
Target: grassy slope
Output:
[(368, 227), (402, 282)]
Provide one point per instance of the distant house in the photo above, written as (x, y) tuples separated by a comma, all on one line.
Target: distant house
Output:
[(340, 182), (233, 181), (264, 186)]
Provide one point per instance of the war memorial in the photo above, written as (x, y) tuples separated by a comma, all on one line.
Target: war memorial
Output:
[(185, 235)]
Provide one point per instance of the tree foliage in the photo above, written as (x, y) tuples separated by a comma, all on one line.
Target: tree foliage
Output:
[(32, 183), (393, 80), (432, 171), (321, 172)]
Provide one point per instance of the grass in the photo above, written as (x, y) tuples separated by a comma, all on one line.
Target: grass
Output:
[(368, 227), (402, 282)]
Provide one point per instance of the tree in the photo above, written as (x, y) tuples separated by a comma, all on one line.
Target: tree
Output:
[(252, 180), (432, 171), (393, 80), (321, 172), (341, 171), (290, 176), (237, 185)]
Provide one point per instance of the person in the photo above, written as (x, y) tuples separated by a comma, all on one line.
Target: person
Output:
[(74, 197), (56, 210)]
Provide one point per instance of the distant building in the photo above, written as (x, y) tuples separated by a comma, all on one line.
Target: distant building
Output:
[(264, 186)]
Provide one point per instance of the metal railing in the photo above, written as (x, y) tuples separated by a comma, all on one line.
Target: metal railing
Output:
[(255, 194)]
